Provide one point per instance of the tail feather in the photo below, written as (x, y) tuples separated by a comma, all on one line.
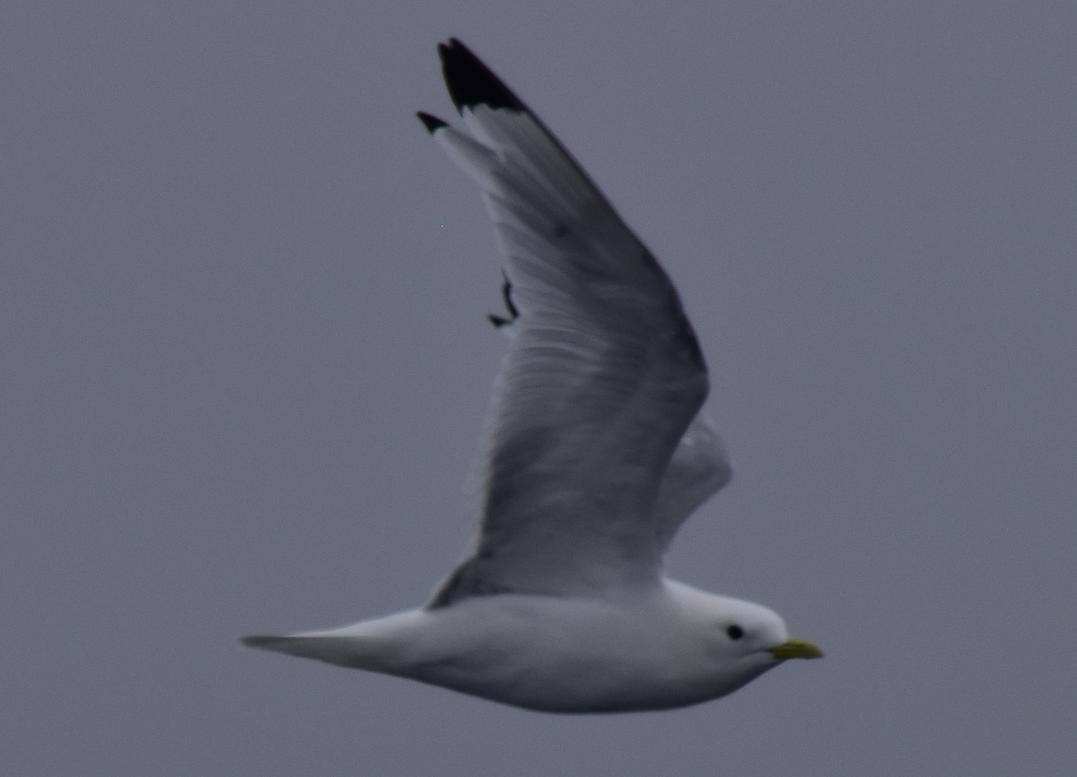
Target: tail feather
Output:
[(266, 641), (352, 652), (379, 645)]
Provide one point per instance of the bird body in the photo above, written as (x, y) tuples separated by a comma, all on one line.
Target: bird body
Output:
[(661, 647)]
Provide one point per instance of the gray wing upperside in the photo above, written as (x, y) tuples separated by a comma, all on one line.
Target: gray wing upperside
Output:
[(601, 382), (700, 467)]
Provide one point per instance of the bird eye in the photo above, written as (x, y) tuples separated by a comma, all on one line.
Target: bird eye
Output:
[(734, 631)]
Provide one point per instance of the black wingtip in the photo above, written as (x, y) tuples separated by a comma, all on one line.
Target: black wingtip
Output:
[(470, 82), (432, 123)]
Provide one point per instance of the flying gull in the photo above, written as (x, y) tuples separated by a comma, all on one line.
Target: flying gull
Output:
[(595, 454)]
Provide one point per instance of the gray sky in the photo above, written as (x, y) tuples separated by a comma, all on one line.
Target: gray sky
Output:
[(246, 361)]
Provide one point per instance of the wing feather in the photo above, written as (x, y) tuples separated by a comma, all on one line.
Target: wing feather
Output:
[(602, 379)]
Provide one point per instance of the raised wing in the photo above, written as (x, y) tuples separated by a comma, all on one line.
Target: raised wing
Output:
[(603, 376), (699, 468)]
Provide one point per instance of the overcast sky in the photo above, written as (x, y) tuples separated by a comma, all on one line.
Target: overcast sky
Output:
[(245, 363)]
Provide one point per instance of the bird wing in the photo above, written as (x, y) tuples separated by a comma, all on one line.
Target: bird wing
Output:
[(700, 467), (602, 378)]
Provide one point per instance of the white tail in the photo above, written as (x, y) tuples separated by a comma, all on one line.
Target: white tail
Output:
[(349, 651)]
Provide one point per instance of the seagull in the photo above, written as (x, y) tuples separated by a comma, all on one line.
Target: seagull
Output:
[(595, 454)]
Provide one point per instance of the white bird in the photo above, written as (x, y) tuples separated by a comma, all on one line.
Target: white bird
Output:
[(595, 455)]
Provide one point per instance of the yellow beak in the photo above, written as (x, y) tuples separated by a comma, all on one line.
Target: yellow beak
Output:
[(796, 648)]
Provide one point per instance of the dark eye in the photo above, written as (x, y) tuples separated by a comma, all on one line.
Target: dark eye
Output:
[(734, 631)]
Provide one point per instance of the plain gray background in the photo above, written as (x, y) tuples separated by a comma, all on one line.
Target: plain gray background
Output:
[(245, 363)]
